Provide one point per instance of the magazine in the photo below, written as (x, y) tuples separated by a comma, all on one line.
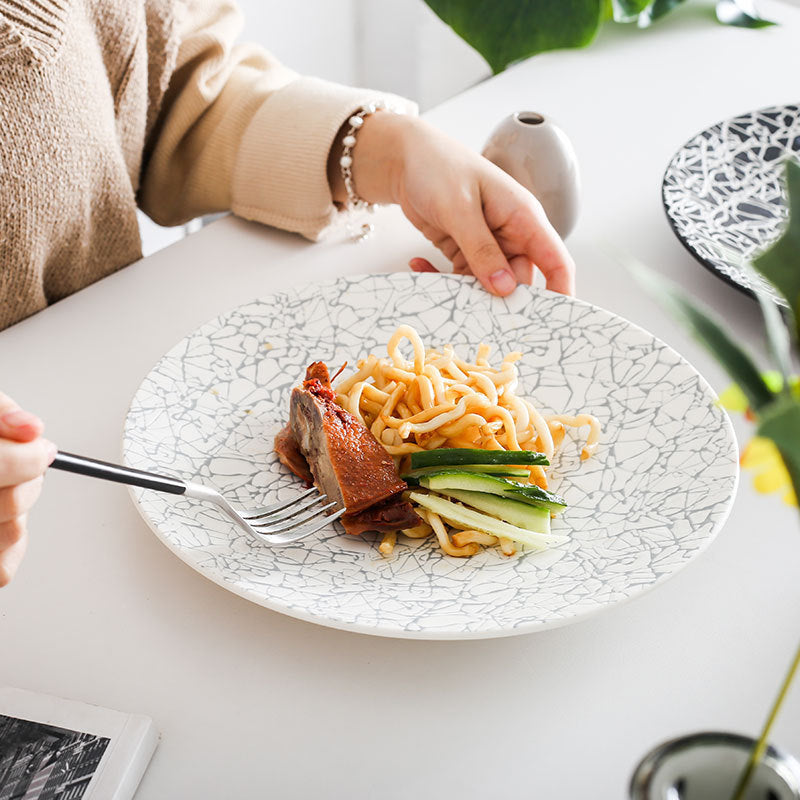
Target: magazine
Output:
[(55, 749)]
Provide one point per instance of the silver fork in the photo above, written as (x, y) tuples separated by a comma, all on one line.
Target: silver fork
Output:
[(276, 524)]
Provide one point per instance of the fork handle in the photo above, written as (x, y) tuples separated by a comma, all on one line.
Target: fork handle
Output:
[(69, 462)]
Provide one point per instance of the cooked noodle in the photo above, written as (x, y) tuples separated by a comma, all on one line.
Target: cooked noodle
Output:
[(438, 399)]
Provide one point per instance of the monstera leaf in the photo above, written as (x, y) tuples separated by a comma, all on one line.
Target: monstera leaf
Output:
[(505, 31)]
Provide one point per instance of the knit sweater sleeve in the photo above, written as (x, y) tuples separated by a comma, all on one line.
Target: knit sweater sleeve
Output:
[(239, 131)]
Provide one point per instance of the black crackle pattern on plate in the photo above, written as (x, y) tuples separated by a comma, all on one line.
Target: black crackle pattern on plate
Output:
[(723, 191)]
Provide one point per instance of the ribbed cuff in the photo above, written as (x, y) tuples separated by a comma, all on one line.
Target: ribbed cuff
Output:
[(280, 176)]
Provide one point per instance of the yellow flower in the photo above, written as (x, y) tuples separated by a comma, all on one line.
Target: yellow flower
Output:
[(761, 456), (733, 398)]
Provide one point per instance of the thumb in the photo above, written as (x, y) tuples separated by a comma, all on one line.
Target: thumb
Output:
[(486, 260), (16, 424)]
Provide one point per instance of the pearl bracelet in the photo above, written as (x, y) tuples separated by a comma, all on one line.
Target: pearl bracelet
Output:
[(354, 202)]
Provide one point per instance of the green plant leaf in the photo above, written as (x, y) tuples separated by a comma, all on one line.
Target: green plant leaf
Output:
[(503, 31), (740, 13), (656, 10), (628, 10), (780, 263), (733, 358), (778, 333), (778, 338), (781, 423)]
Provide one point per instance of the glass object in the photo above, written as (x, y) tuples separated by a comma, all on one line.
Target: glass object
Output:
[(707, 766)]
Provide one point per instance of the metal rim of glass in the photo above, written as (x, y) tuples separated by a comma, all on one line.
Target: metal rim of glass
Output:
[(786, 766)]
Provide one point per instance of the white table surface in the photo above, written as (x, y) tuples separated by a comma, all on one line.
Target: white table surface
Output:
[(254, 704)]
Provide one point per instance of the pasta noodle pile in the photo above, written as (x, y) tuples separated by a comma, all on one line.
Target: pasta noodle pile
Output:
[(437, 399)]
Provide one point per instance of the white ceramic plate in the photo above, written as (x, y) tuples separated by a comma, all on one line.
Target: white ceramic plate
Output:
[(654, 495)]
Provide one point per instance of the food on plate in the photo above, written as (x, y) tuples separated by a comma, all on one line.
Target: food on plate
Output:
[(326, 445), (438, 399), (473, 452), (437, 412)]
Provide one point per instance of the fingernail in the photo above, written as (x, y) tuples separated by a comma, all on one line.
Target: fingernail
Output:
[(51, 450), (19, 418), (503, 281)]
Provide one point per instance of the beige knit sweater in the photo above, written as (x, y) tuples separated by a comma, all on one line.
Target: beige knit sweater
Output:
[(106, 104)]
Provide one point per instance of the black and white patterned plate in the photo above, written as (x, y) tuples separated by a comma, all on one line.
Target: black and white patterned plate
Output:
[(723, 191), (653, 496)]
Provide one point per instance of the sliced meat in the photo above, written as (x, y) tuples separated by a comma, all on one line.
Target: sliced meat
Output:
[(318, 371), (344, 459), (290, 456), (393, 514)]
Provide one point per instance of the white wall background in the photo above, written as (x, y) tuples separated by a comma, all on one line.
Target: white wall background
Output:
[(315, 37), (395, 45)]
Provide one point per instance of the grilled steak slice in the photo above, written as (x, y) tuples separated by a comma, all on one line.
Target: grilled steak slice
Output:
[(345, 460)]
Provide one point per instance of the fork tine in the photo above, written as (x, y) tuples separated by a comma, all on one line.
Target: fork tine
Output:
[(288, 530), (284, 504), (267, 527), (294, 536), (260, 515)]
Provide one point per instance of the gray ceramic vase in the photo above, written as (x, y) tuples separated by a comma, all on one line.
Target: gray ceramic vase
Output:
[(537, 153)]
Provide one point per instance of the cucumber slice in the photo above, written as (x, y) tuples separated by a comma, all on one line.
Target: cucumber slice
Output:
[(501, 470), (460, 515), (491, 484), (523, 515), (454, 456)]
